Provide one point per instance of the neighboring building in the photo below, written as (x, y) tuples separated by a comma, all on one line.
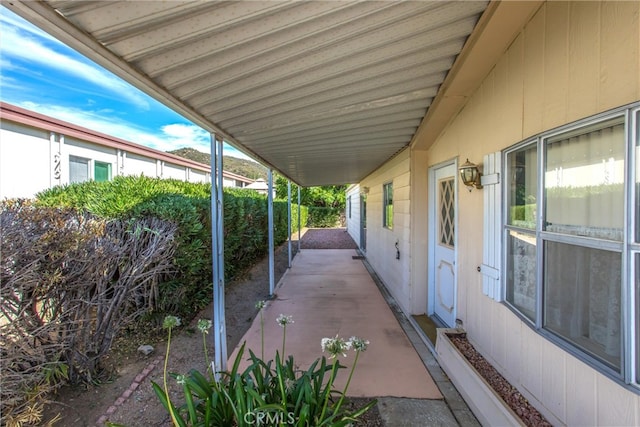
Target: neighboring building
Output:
[(39, 152), (260, 185)]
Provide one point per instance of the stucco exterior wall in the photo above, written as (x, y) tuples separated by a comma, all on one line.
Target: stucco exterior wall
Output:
[(32, 147), (173, 171), (381, 241), (572, 60), (143, 165), (35, 152)]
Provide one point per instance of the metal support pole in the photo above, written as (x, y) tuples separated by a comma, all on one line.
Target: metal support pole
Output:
[(271, 255), (217, 246), (299, 220), (289, 218)]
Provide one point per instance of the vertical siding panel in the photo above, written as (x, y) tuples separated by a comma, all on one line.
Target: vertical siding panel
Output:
[(472, 321), (619, 411), (553, 380), (515, 92), (532, 362), (533, 85), (581, 394), (503, 115), (515, 358), (620, 59), (486, 323), (556, 65), (584, 42), (499, 345), (487, 100)]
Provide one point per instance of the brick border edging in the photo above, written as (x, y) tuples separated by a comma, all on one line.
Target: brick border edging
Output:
[(128, 392)]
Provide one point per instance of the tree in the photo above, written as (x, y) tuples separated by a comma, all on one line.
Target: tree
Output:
[(328, 196)]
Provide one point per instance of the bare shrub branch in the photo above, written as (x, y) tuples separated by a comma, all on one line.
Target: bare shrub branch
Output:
[(68, 283)]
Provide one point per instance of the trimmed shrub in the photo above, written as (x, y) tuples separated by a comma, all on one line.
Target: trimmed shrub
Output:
[(188, 205), (320, 217)]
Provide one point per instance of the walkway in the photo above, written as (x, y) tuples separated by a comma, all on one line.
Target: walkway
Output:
[(329, 292)]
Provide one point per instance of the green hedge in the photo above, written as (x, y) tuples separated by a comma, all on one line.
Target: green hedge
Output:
[(188, 205), (321, 217)]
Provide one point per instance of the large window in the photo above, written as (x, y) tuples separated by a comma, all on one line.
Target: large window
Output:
[(569, 269), (387, 212), (78, 169)]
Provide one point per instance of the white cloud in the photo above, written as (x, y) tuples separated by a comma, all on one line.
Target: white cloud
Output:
[(24, 43), (187, 135), (169, 137), (21, 41)]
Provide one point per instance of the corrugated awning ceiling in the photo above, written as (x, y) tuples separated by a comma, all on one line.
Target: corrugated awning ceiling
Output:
[(324, 91)]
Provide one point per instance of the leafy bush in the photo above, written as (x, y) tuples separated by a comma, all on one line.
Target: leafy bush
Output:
[(328, 196), (320, 217), (188, 205), (69, 281), (524, 214)]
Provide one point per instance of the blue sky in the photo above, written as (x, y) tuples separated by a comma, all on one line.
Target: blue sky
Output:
[(39, 73)]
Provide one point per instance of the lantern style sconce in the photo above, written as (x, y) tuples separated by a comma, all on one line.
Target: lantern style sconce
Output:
[(470, 175)]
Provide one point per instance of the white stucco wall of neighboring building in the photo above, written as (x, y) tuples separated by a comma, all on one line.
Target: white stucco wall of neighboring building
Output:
[(25, 167), (35, 154)]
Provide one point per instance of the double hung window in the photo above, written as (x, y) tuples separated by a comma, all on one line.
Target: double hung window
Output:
[(572, 238)]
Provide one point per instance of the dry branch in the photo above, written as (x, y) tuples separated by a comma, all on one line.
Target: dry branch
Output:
[(68, 283)]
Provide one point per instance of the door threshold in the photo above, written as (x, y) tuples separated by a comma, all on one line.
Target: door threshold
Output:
[(428, 325)]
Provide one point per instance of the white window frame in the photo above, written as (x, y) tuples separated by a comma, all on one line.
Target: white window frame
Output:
[(629, 247)]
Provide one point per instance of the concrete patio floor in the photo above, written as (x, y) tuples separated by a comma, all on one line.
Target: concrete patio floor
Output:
[(330, 292)]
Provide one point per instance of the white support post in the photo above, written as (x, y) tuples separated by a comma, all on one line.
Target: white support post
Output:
[(299, 220), (289, 219), (217, 242), (271, 250)]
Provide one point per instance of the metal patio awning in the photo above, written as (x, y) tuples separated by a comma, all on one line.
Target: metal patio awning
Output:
[(323, 91)]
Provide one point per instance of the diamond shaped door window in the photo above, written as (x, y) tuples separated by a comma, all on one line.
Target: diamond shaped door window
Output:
[(446, 230)]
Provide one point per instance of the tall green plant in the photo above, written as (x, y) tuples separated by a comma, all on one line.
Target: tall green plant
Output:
[(276, 392)]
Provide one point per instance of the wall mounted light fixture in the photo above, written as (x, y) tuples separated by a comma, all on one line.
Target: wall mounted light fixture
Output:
[(470, 175)]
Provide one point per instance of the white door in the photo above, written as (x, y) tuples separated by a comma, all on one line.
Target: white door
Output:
[(444, 274)]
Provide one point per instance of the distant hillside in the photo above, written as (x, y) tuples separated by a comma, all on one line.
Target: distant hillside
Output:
[(243, 167)]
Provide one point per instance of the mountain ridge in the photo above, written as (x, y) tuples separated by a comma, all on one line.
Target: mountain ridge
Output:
[(243, 167)]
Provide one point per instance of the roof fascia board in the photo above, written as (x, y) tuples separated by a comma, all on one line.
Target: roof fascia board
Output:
[(494, 33), (46, 18)]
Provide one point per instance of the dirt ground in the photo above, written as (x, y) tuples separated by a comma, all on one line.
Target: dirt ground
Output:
[(129, 399)]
